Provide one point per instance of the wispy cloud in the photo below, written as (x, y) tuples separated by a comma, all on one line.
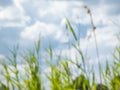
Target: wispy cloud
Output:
[(33, 17)]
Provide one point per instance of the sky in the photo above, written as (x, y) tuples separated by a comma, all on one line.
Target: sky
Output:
[(22, 21)]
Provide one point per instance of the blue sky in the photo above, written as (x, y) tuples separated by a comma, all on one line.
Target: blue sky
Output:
[(21, 21)]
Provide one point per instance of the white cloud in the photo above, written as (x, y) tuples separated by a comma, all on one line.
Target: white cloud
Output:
[(57, 10), (54, 9), (42, 29), (103, 13), (13, 16), (18, 4), (8, 13)]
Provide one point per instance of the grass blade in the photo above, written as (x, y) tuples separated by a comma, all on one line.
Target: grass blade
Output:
[(71, 29)]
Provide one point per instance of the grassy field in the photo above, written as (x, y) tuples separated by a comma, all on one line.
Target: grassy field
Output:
[(61, 75)]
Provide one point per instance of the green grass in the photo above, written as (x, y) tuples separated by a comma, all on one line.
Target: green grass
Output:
[(61, 75)]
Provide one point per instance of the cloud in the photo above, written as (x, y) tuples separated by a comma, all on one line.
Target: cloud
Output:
[(31, 32), (44, 31), (52, 14), (13, 16), (103, 14)]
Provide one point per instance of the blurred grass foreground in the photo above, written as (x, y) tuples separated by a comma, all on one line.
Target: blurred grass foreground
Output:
[(63, 72)]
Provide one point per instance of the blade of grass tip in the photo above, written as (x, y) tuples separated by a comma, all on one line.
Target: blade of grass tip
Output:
[(71, 29), (107, 71), (50, 51), (37, 46)]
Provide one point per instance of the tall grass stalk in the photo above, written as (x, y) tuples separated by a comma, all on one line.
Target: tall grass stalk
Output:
[(97, 51)]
